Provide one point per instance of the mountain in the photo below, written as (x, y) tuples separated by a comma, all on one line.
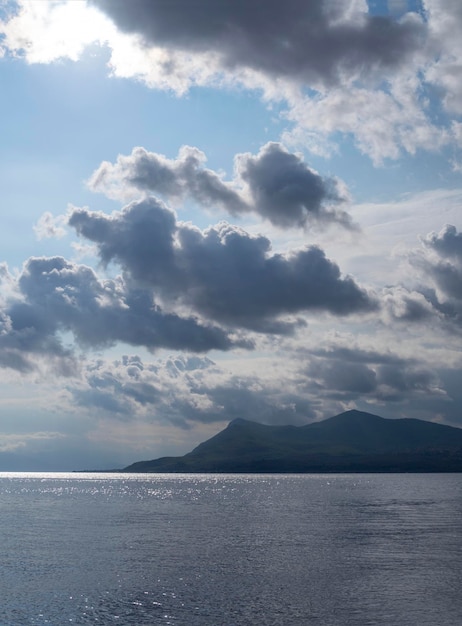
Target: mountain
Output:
[(353, 441)]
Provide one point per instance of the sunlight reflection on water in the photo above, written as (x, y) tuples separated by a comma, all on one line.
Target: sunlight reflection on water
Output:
[(222, 550)]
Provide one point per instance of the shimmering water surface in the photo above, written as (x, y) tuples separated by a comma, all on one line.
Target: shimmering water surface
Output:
[(330, 550)]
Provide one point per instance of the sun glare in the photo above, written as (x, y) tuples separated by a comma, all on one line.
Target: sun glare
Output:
[(47, 31)]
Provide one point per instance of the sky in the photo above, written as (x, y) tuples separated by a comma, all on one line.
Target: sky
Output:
[(213, 210)]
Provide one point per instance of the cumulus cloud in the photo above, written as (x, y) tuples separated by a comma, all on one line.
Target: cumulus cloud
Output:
[(435, 283), (144, 171), (315, 42), (26, 334), (337, 67), (447, 243), (441, 261), (55, 296), (287, 192), (222, 272), (182, 288), (274, 184), (405, 305), (441, 258)]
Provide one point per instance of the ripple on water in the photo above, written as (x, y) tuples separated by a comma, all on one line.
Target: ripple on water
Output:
[(221, 550)]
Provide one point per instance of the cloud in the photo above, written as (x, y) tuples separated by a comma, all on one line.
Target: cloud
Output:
[(26, 333), (274, 184), (223, 273), (405, 305), (144, 171), (338, 68), (316, 42), (332, 66), (447, 243), (55, 296), (436, 279), (184, 391), (163, 391), (382, 123), (48, 226), (11, 442), (353, 374), (287, 192), (48, 30), (445, 22), (444, 263)]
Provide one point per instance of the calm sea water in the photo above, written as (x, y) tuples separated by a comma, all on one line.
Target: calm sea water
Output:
[(330, 550)]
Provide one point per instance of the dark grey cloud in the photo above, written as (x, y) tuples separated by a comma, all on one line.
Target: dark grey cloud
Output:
[(448, 278), (184, 176), (356, 355), (55, 296), (447, 243), (97, 399), (287, 192), (338, 376), (409, 378), (435, 293), (24, 334), (223, 273), (439, 264), (406, 306), (355, 374), (311, 42), (275, 184), (118, 395)]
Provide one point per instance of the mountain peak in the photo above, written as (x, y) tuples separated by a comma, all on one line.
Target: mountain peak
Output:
[(353, 416), (351, 441), (357, 413), (238, 421)]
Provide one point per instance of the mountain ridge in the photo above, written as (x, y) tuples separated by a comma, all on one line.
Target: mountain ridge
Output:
[(353, 441)]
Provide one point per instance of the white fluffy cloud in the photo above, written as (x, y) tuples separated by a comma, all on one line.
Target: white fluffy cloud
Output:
[(337, 68), (445, 24), (45, 31)]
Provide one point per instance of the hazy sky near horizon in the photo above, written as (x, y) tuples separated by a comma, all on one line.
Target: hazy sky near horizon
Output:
[(214, 210)]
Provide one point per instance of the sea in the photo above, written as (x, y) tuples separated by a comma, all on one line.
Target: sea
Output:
[(231, 550)]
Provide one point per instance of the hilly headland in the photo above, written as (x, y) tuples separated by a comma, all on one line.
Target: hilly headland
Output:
[(353, 441)]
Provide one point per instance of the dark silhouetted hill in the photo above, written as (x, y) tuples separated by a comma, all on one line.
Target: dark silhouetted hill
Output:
[(353, 441)]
